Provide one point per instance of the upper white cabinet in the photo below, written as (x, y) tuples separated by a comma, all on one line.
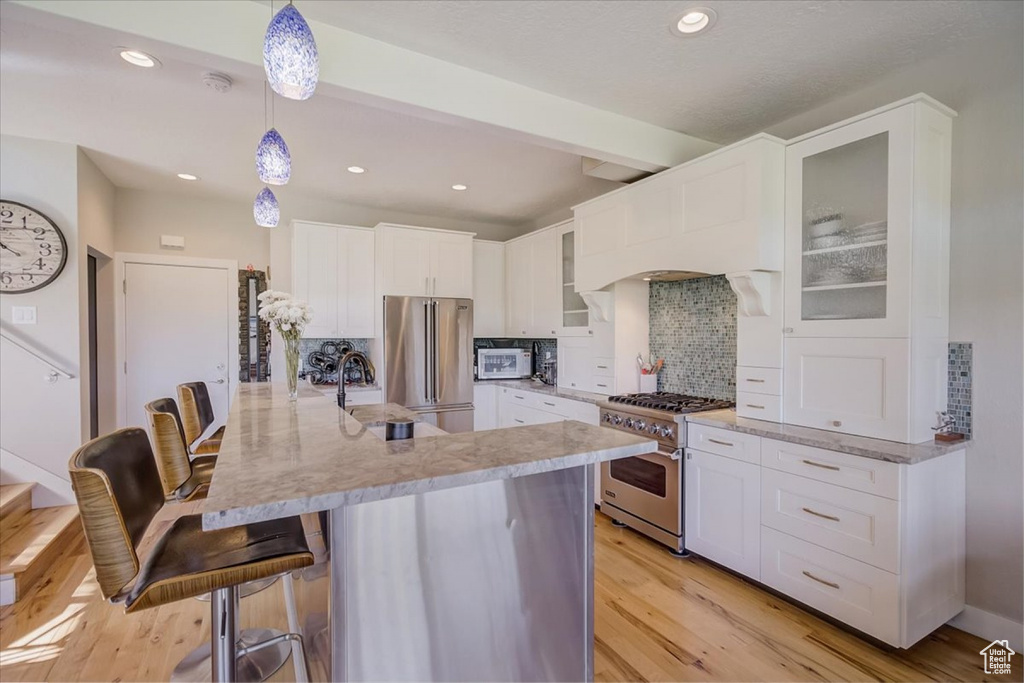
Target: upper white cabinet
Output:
[(575, 316), (867, 273), (721, 213), (425, 261), (532, 284), (333, 269), (867, 226), (488, 289)]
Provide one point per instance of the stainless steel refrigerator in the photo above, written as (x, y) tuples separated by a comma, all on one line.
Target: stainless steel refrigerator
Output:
[(428, 358)]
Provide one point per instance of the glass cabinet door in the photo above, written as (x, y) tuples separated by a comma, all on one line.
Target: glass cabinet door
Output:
[(848, 217), (575, 315), (845, 231)]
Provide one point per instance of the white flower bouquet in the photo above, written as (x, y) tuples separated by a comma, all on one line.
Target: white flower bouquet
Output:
[(290, 316)]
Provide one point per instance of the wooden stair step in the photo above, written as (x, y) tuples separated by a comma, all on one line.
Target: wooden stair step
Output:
[(35, 540), (15, 500)]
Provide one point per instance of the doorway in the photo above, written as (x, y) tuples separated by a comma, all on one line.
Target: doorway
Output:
[(177, 322)]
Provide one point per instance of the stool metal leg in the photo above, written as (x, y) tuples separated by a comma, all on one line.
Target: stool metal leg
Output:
[(298, 654), (223, 633)]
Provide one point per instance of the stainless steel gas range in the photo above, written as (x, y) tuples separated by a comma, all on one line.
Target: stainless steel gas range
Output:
[(646, 492)]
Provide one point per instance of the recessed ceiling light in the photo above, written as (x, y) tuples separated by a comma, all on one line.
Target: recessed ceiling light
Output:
[(356, 169), (188, 176), (138, 58), (459, 187), (694, 20)]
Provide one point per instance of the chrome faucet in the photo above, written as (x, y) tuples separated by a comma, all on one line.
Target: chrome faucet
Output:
[(365, 372)]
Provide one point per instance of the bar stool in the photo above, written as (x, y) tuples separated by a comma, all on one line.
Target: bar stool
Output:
[(119, 492), (197, 416), (182, 478)]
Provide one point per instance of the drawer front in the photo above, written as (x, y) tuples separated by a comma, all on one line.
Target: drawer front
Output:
[(517, 416), (865, 597), (745, 447), (518, 397), (759, 406), (849, 471), (753, 380), (851, 523), (603, 367), (602, 385)]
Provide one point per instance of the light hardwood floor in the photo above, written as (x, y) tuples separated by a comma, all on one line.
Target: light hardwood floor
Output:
[(657, 618)]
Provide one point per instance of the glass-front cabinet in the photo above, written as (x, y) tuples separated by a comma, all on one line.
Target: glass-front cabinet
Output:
[(575, 316), (848, 229)]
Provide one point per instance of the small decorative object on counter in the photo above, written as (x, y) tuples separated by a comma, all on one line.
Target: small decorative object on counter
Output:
[(398, 430), (290, 316), (649, 373), (944, 430)]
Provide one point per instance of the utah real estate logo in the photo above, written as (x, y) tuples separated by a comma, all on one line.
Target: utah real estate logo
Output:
[(997, 657)]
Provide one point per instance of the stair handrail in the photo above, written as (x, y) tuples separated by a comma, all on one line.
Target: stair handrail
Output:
[(37, 355)]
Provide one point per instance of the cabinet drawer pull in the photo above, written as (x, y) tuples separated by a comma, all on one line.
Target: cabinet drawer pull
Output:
[(548, 403), (602, 367), (603, 386), (821, 465), (720, 443), (751, 405), (820, 514), (521, 398), (815, 578), (837, 423), (756, 381), (519, 421)]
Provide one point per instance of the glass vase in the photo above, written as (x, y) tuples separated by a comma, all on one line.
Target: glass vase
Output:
[(291, 366)]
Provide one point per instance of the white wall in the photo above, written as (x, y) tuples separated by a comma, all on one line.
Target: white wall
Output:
[(983, 82), (96, 237), (41, 423)]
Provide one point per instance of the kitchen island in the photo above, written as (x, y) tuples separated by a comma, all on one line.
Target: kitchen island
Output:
[(452, 556)]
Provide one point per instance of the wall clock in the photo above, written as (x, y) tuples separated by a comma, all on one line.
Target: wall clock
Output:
[(33, 251)]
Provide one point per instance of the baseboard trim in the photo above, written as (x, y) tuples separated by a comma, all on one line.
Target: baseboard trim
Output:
[(989, 626), (50, 491)]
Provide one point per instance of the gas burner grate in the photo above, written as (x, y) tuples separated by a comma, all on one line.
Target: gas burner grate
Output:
[(670, 402)]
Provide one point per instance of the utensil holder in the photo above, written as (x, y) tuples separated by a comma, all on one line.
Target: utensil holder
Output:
[(648, 383), (397, 430)]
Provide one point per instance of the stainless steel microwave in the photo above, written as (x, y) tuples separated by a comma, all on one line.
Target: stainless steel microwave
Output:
[(504, 363)]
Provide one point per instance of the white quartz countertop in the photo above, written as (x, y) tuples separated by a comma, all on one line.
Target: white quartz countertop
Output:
[(877, 449), (281, 458), (546, 389)]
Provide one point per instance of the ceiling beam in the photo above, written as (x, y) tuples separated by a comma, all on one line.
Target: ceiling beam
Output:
[(355, 67)]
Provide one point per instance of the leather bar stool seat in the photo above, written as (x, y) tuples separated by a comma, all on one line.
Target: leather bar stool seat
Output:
[(119, 492), (187, 561), (182, 478), (197, 416)]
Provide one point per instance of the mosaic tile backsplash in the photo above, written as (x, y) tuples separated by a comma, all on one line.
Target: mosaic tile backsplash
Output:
[(693, 327), (959, 397), (308, 346)]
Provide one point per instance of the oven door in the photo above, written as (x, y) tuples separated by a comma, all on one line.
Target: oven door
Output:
[(646, 486)]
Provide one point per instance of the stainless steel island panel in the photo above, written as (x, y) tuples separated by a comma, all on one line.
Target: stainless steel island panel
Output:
[(492, 581)]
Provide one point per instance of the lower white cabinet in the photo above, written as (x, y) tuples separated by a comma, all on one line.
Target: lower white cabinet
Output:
[(485, 407), (723, 511), (874, 544)]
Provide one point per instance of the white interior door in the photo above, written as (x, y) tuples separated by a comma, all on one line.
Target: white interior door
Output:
[(176, 329)]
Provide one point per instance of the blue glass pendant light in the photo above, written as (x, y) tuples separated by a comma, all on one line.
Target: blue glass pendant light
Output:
[(273, 161), (290, 56), (265, 209)]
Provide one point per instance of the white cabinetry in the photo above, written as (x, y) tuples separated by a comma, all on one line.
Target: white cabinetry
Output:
[(425, 262), (488, 289), (333, 270), (573, 311), (723, 510), (532, 285), (720, 213), (875, 544), (485, 407), (867, 273)]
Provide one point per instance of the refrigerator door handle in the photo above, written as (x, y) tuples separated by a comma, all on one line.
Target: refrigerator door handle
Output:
[(433, 373), (428, 352)]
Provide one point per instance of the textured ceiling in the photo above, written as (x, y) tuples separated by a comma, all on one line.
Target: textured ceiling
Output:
[(762, 62), (143, 126)]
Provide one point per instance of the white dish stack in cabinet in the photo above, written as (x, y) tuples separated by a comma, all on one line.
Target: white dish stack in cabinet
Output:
[(333, 270), (867, 273), (425, 261)]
